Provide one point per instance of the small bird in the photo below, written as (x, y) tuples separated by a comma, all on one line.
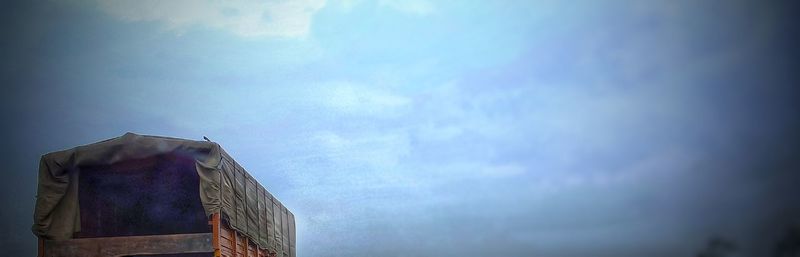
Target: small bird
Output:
[(204, 137)]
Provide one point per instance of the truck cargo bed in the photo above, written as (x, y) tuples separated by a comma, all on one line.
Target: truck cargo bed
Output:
[(150, 196)]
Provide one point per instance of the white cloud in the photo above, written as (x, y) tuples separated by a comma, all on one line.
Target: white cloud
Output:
[(418, 7), (331, 141), (354, 98), (381, 151), (348, 5), (283, 18)]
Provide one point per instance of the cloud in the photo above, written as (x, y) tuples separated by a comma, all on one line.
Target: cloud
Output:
[(349, 97), (417, 7), (382, 151), (348, 5), (287, 19)]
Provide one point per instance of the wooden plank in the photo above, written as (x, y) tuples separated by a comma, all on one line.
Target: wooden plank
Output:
[(245, 247), (227, 252), (227, 244), (216, 225), (41, 248), (129, 245), (251, 248), (226, 233), (234, 246), (240, 247)]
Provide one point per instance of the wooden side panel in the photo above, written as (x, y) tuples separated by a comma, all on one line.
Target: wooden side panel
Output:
[(129, 245), (226, 238), (41, 248), (252, 249), (262, 252), (235, 244), (215, 234), (223, 241), (241, 245)]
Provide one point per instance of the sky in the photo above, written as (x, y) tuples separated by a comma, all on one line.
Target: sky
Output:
[(436, 128)]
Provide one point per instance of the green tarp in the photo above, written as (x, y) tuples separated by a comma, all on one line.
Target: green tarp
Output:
[(225, 187)]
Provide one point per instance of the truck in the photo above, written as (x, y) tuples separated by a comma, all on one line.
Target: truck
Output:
[(140, 195)]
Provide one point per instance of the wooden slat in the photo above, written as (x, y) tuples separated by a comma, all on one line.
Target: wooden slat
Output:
[(241, 246), (223, 241), (226, 252), (226, 233), (251, 249), (227, 244), (215, 230), (129, 245), (236, 244), (246, 246), (41, 248)]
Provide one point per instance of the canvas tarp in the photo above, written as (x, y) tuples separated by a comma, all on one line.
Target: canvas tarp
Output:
[(225, 187)]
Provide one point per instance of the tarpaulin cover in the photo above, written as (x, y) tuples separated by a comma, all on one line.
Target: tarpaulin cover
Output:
[(225, 187)]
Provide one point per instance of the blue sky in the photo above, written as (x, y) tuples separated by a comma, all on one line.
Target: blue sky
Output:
[(437, 128)]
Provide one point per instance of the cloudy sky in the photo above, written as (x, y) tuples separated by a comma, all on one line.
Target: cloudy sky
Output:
[(435, 128)]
